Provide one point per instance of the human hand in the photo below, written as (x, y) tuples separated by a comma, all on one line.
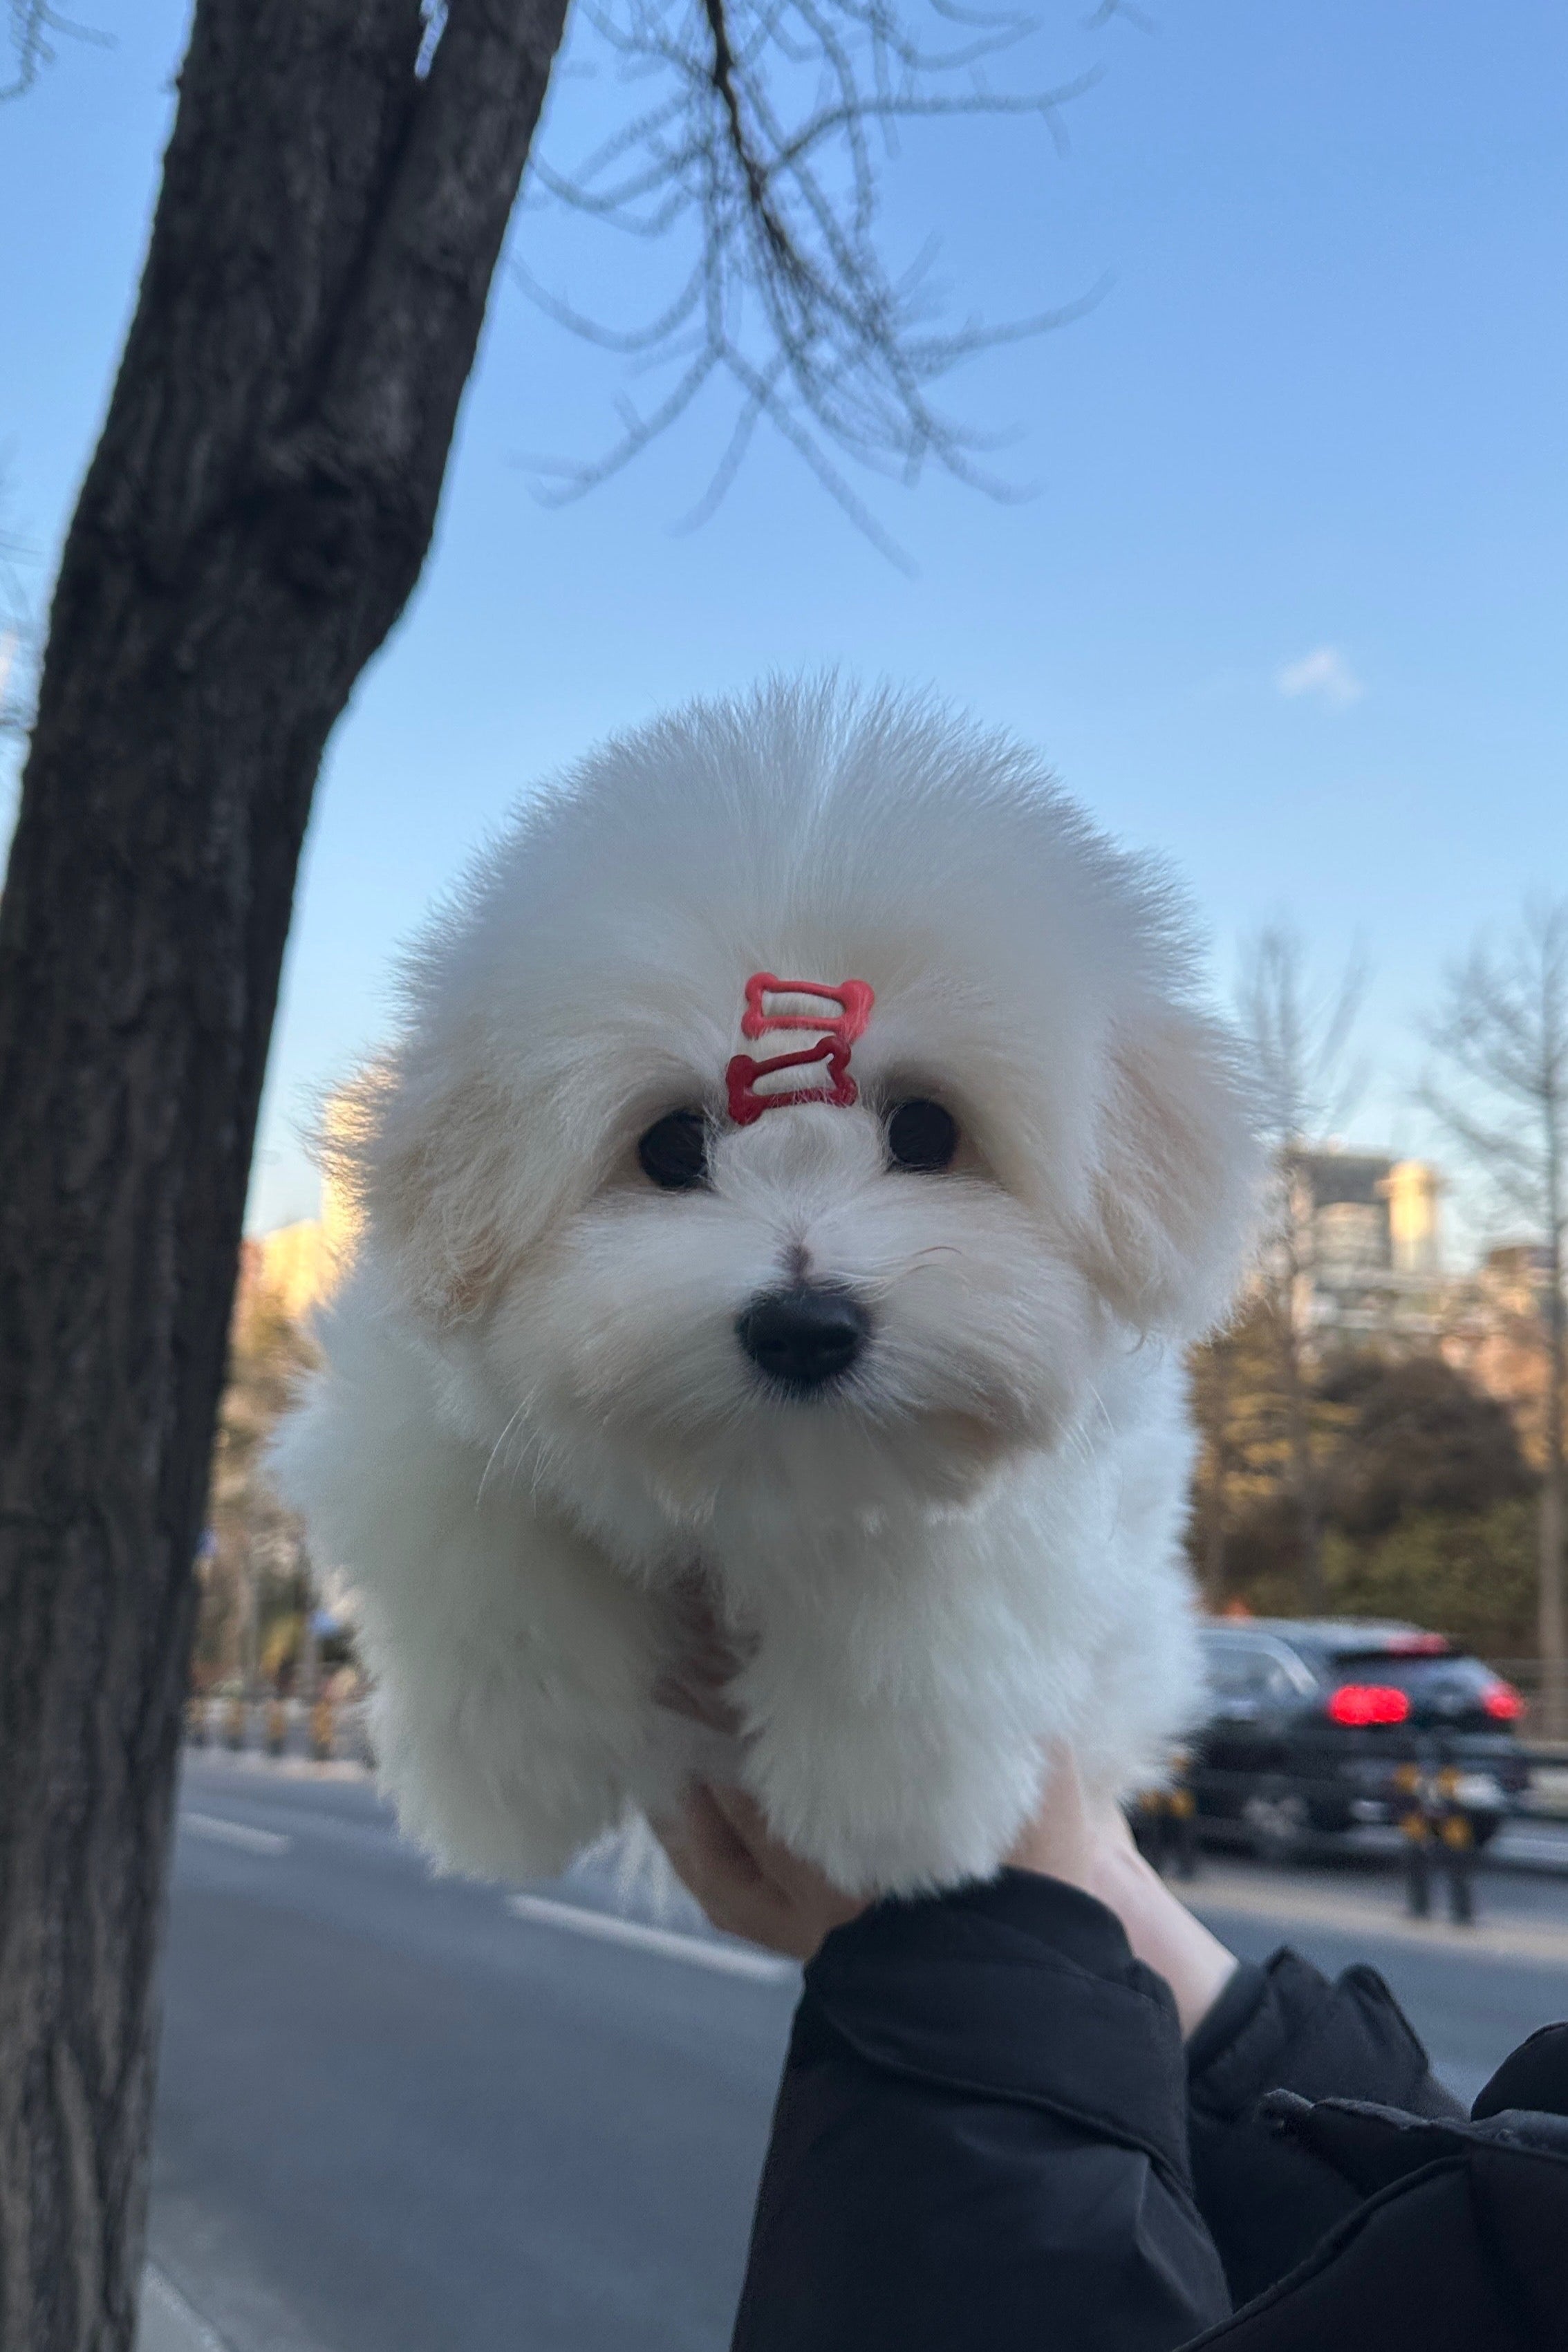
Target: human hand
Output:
[(723, 1851), (1091, 1846), (749, 1885), (718, 1843)]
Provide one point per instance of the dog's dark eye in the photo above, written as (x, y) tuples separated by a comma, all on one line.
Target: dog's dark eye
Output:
[(922, 1135), (674, 1151)]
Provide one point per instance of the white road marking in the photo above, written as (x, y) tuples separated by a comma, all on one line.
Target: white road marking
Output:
[(731, 1960), (211, 1825), (168, 2323)]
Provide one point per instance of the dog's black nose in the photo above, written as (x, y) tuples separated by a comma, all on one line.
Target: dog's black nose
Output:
[(804, 1336)]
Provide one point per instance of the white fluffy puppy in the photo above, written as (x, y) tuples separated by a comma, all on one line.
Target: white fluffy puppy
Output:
[(881, 1348)]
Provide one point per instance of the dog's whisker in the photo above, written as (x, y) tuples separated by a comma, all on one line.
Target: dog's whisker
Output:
[(494, 1452)]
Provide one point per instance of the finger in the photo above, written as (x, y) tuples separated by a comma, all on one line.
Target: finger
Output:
[(703, 1661), (747, 1824), (800, 1889), (715, 1866), (685, 1693), (725, 1849)]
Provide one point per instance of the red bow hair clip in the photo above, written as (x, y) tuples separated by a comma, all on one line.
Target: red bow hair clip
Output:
[(853, 1000)]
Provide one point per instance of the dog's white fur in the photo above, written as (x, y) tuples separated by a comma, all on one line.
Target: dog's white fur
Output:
[(536, 1423)]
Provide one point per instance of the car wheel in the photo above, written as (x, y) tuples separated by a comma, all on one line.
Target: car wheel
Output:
[(1277, 1823)]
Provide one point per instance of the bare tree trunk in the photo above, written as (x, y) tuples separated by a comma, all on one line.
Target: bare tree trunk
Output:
[(1293, 1286), (1303, 1472), (308, 1674), (1213, 1530), (258, 508)]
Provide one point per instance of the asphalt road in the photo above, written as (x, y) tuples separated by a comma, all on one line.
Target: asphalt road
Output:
[(402, 2113)]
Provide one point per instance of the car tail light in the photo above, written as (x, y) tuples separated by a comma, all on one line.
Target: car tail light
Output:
[(1419, 1645), (1362, 1703), (1502, 1701)]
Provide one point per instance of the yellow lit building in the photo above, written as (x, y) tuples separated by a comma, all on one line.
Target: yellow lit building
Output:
[(1413, 1189), (300, 1265)]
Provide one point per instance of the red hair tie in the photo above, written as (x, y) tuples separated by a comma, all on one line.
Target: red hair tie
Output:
[(854, 1000)]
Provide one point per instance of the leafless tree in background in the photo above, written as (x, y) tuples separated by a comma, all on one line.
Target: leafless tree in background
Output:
[(1501, 1035), (336, 192), (1296, 1035), (754, 151)]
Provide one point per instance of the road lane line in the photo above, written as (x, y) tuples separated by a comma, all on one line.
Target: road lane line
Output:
[(730, 1959), (170, 2324), (211, 1825)]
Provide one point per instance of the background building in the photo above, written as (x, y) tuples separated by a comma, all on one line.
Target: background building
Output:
[(299, 1265), (1367, 1246)]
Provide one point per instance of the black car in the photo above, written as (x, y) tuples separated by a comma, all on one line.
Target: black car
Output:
[(1311, 1721)]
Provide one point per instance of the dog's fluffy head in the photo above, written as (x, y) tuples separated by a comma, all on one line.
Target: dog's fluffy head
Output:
[(1028, 977)]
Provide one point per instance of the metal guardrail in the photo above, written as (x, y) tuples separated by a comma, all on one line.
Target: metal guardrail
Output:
[(1546, 1798), (1433, 1801), (1439, 1843), (1544, 1690), (323, 1730)]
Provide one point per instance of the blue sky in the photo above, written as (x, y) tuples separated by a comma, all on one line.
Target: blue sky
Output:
[(1288, 606)]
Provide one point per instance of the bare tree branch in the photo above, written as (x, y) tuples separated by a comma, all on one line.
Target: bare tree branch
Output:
[(1502, 1032), (35, 29), (18, 636), (1297, 1037), (763, 146)]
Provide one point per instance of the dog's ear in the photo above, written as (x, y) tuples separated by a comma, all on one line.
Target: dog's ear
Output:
[(428, 1161), (1175, 1182)]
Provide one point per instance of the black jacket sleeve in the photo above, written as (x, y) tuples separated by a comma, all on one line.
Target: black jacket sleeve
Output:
[(983, 2128), (981, 2139)]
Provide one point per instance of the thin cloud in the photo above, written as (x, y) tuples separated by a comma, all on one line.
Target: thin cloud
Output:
[(1323, 673)]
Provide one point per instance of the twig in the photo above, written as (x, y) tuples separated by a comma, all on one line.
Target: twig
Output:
[(762, 149)]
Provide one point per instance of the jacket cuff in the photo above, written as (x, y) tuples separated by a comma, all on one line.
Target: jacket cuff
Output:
[(1268, 2199), (1243, 1994), (1023, 1989), (1289, 2028)]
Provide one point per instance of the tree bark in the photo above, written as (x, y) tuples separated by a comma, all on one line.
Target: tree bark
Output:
[(1293, 1377), (257, 510), (1303, 1476), (1212, 1405)]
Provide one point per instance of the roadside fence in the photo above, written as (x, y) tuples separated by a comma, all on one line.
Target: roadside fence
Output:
[(1165, 1822), (322, 1731), (1544, 1690), (1444, 1807)]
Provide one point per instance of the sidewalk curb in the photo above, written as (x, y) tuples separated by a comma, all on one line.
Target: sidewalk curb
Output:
[(1538, 1943)]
